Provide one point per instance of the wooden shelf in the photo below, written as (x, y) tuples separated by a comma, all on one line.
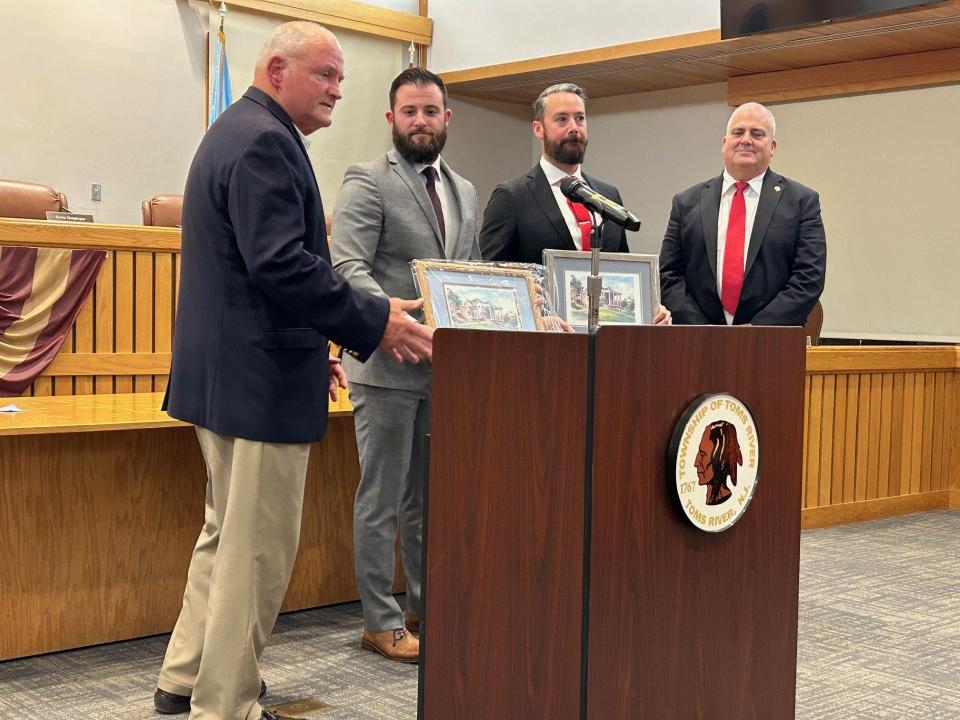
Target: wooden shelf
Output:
[(702, 57)]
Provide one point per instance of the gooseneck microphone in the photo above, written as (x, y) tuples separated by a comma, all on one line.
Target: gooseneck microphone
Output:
[(578, 191)]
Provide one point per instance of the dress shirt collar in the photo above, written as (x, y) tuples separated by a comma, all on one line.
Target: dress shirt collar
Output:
[(303, 138), (420, 167), (755, 183), (555, 174)]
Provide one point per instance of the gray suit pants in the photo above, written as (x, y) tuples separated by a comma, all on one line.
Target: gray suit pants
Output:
[(392, 428)]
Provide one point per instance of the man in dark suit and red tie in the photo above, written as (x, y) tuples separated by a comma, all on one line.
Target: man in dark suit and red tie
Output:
[(747, 247), (528, 214)]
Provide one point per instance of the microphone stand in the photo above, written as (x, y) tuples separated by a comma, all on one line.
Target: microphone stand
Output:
[(594, 283)]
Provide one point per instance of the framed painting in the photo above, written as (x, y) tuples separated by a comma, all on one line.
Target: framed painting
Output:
[(630, 292), (477, 296)]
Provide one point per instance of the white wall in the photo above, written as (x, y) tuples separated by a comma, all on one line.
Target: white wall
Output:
[(488, 142), (112, 92), (102, 92), (487, 32)]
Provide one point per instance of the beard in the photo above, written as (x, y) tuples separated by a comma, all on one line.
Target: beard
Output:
[(569, 151), (417, 151)]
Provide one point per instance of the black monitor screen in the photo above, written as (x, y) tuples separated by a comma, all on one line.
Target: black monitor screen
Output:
[(746, 17)]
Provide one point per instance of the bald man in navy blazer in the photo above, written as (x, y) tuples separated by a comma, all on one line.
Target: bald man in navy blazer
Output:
[(785, 256), (251, 369)]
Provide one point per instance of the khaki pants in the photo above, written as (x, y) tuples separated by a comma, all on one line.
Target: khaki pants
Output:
[(238, 575)]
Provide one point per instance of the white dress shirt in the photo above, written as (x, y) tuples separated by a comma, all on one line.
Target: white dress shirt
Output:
[(751, 199), (448, 203), (554, 176)]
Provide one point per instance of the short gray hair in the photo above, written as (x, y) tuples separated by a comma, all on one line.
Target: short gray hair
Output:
[(287, 38), (540, 104), (764, 110)]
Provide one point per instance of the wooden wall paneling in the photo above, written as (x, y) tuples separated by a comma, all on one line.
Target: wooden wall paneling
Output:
[(873, 435), (848, 463), (811, 482), (924, 414), (64, 385), (907, 433), (938, 478), (952, 429), (862, 454), (103, 295), (83, 327), (124, 317), (806, 438), (837, 477), (144, 300), (163, 311), (827, 435), (886, 453)]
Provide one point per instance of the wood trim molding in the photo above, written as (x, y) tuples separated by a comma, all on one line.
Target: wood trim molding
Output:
[(347, 14), (627, 51), (924, 69), (42, 233), (828, 515), (829, 360), (702, 57), (109, 364)]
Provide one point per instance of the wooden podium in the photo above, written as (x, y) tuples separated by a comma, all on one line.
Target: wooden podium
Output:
[(560, 580)]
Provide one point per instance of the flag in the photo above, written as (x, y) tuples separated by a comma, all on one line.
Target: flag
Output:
[(220, 94), (41, 293)]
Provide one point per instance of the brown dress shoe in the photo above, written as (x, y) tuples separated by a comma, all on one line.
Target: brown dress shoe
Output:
[(395, 644), (412, 622)]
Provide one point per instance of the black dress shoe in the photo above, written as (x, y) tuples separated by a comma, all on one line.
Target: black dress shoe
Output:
[(168, 703), (270, 715)]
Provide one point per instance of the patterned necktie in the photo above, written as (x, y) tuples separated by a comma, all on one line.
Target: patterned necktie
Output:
[(430, 173), (733, 251), (582, 215)]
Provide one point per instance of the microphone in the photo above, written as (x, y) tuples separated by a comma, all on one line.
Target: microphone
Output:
[(578, 191)]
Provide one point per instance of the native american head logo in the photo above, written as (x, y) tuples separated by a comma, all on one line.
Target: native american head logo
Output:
[(714, 461), (718, 458)]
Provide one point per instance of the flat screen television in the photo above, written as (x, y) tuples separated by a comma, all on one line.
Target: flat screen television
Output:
[(747, 17)]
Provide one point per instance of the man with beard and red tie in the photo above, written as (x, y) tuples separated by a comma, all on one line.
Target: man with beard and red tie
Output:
[(407, 204), (528, 214), (747, 247)]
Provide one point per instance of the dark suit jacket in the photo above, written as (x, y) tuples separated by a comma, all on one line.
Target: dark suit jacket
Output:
[(522, 220), (258, 296), (786, 261)]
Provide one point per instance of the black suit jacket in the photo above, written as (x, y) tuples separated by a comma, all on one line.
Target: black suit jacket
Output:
[(786, 261), (522, 220), (258, 296)]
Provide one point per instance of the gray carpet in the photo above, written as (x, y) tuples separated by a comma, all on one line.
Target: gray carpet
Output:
[(879, 639)]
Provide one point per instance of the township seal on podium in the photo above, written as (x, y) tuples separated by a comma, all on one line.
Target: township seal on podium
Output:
[(712, 462)]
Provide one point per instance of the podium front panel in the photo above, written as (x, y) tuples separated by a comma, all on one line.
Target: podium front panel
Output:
[(685, 623), (504, 528)]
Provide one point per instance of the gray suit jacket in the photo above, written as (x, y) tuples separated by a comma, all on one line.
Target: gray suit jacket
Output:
[(382, 220)]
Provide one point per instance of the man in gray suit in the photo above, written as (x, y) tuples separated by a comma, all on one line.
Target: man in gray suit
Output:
[(407, 204)]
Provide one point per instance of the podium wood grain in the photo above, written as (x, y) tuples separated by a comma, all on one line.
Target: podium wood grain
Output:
[(505, 527), (684, 623)]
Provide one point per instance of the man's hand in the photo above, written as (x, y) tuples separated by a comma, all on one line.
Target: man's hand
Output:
[(663, 316), (404, 339), (338, 377)]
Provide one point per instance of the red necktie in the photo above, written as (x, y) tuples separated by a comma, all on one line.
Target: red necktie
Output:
[(733, 251), (582, 215)]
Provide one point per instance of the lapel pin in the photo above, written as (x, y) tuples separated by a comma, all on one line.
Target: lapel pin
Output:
[(776, 188)]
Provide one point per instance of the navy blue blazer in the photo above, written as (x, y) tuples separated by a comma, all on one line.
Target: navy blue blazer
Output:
[(522, 220), (258, 295), (786, 262)]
